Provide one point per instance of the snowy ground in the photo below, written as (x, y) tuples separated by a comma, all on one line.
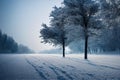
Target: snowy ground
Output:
[(54, 67)]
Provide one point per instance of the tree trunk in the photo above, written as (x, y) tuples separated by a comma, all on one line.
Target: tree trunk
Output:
[(86, 45), (63, 47)]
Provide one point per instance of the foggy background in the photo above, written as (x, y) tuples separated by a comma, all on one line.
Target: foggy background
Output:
[(22, 19)]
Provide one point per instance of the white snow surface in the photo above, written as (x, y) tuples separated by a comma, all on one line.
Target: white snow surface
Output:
[(55, 67)]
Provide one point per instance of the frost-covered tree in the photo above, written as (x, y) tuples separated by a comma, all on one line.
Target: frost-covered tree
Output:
[(9, 45), (56, 33), (24, 49), (83, 13), (111, 18), (111, 13)]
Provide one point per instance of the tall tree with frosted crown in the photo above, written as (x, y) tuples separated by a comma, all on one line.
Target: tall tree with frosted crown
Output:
[(111, 14), (83, 13), (56, 33)]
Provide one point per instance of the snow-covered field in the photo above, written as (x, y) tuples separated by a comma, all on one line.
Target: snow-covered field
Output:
[(54, 67)]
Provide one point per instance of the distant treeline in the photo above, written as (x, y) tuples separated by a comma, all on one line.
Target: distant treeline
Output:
[(9, 45)]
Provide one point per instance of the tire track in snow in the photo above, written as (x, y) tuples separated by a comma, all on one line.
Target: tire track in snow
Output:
[(58, 75), (57, 70), (104, 66), (63, 72), (92, 64), (37, 70), (70, 66)]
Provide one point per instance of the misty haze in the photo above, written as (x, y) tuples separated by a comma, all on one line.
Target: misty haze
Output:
[(59, 39)]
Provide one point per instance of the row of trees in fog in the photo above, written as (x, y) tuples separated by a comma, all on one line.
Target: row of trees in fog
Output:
[(92, 24), (9, 45)]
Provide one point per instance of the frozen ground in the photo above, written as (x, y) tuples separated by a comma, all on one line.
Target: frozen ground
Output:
[(54, 67)]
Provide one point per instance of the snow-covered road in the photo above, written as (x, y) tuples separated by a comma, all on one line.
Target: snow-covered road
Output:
[(54, 67)]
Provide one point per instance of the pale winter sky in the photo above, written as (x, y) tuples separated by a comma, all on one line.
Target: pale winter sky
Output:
[(22, 20)]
